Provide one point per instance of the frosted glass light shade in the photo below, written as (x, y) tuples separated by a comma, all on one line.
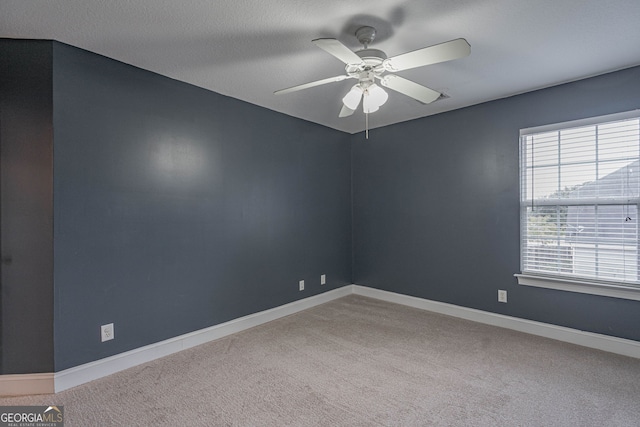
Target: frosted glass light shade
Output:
[(377, 95), (352, 99), (374, 96), (368, 106)]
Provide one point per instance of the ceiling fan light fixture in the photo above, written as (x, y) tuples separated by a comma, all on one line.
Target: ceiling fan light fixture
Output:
[(370, 109), (368, 105), (374, 96), (352, 99), (377, 95)]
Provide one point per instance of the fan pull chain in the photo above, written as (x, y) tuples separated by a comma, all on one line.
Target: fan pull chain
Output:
[(366, 124)]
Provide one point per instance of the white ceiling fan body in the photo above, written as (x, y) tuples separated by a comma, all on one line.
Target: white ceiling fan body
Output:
[(368, 65)]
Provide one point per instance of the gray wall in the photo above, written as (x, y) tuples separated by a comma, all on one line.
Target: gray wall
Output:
[(26, 214), (436, 206), (175, 209)]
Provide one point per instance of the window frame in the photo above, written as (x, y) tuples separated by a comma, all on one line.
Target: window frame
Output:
[(567, 283)]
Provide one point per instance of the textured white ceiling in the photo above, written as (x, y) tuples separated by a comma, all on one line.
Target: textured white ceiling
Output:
[(246, 49)]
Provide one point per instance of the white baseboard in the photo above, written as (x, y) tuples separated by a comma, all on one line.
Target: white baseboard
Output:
[(574, 336), (90, 371), (14, 385), (23, 384)]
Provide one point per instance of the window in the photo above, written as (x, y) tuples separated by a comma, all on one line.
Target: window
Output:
[(579, 187)]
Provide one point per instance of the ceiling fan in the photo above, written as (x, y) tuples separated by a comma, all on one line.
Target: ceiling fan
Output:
[(370, 65)]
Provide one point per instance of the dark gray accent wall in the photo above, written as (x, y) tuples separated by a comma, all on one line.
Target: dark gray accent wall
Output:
[(436, 205), (26, 215), (177, 208)]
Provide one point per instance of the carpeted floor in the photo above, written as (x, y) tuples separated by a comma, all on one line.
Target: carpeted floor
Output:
[(358, 361)]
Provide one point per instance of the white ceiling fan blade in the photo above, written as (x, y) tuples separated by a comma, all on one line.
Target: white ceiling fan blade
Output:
[(409, 88), (346, 111), (311, 84), (454, 49), (337, 49)]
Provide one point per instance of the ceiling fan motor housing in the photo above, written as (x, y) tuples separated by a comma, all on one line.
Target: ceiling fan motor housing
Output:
[(370, 66), (374, 54)]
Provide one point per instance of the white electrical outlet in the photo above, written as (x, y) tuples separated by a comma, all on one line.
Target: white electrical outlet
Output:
[(502, 295), (106, 331), (323, 279), (301, 284)]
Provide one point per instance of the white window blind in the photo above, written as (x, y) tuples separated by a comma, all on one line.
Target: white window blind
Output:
[(579, 200)]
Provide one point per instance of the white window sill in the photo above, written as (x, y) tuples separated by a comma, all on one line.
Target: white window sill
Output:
[(572, 285)]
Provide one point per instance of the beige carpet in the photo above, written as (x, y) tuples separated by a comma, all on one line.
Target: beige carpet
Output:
[(362, 362)]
